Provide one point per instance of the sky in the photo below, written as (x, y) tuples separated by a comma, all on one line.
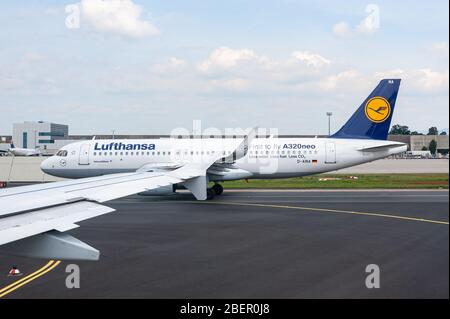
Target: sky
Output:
[(148, 67)]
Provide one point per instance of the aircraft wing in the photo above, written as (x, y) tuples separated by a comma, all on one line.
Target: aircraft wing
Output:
[(32, 218)]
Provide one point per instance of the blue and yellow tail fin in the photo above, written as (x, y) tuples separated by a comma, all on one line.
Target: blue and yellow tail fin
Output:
[(372, 120)]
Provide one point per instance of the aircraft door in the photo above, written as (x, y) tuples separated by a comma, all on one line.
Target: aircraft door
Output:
[(84, 154), (330, 153)]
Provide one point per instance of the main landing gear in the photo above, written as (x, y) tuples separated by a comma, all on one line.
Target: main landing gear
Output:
[(217, 189)]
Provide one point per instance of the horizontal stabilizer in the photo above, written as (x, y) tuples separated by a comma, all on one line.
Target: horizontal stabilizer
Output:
[(381, 147)]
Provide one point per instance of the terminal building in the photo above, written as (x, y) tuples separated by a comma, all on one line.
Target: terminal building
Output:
[(421, 142), (45, 136)]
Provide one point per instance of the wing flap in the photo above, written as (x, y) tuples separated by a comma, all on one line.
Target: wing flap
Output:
[(62, 217), (101, 189)]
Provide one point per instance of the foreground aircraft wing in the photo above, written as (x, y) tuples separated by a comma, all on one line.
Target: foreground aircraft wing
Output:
[(33, 218)]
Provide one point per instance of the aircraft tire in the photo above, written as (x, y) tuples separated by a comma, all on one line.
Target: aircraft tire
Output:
[(210, 194), (218, 189)]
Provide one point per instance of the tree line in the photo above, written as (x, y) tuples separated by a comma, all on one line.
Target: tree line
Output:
[(398, 129)]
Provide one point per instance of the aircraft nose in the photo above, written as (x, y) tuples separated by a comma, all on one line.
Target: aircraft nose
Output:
[(46, 165)]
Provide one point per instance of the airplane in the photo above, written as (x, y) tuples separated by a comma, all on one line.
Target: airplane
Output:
[(34, 219), (17, 151)]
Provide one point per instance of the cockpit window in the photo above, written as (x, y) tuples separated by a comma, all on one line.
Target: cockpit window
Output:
[(61, 153)]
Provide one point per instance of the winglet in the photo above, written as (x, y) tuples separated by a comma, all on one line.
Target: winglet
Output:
[(242, 149)]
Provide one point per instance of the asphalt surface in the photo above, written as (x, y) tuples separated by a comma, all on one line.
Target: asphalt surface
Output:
[(258, 245)]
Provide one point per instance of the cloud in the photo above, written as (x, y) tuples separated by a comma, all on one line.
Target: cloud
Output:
[(121, 17), (176, 63), (233, 84), (311, 59), (345, 78), (244, 69), (368, 26), (423, 80), (342, 29), (414, 81), (226, 58), (431, 80)]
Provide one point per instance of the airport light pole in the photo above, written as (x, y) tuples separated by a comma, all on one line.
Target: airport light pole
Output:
[(329, 114)]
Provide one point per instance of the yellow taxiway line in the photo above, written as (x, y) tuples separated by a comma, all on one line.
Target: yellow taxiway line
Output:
[(326, 210), (21, 282)]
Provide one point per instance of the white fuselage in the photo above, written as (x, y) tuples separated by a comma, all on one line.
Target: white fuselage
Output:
[(24, 151), (265, 158)]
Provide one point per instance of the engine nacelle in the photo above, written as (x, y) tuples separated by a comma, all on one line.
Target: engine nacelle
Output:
[(228, 174), (161, 191)]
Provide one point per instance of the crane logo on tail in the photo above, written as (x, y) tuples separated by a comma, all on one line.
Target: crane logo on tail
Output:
[(378, 109)]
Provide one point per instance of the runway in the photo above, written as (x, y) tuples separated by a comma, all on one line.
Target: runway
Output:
[(258, 244)]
